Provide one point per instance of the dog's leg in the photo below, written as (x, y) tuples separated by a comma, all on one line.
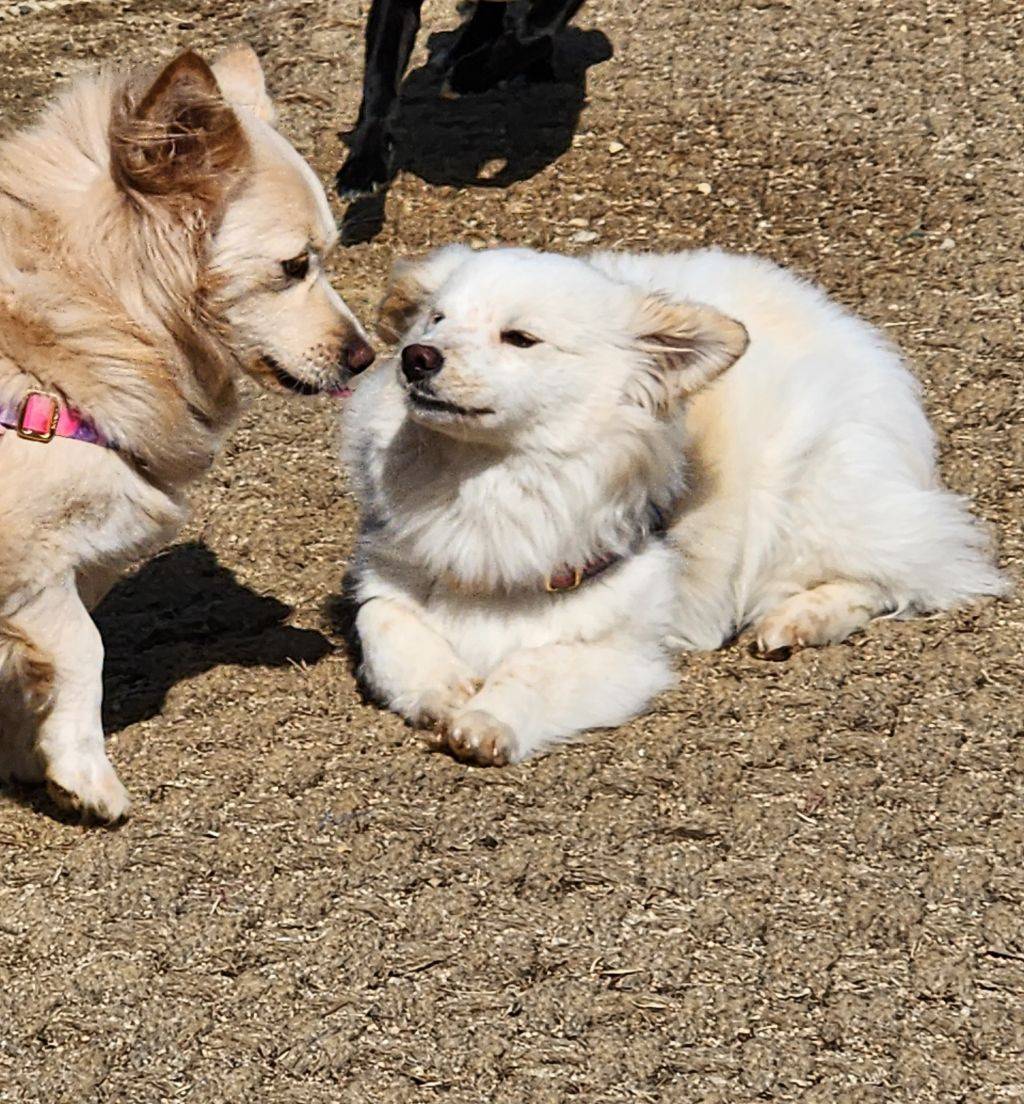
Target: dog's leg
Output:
[(18, 761), (409, 666), (540, 696), (390, 35), (95, 584), (825, 614), (526, 48), (481, 29), (69, 740), (549, 17), (26, 685)]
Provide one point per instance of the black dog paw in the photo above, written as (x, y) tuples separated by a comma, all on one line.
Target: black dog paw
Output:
[(364, 173), (506, 59)]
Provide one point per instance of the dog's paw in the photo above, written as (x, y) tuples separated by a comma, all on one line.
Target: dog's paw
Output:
[(88, 788), (825, 614), (497, 62), (798, 623), (364, 173), (777, 638), (814, 618), (438, 705), (477, 737)]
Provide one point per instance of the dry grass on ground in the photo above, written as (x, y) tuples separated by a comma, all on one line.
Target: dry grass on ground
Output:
[(789, 882)]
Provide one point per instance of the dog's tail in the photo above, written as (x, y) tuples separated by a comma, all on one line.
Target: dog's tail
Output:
[(25, 670), (945, 554)]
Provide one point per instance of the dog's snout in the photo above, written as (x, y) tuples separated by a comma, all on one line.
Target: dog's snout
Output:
[(420, 362), (358, 355)]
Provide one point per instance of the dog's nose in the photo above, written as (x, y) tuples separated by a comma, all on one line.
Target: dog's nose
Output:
[(420, 362), (358, 355)]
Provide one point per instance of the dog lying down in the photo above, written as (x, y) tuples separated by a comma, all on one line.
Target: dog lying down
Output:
[(576, 466), (157, 238)]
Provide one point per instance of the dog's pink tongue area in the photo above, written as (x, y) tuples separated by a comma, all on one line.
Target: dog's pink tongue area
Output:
[(340, 392)]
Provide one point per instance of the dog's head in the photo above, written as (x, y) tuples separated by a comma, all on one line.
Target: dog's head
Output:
[(513, 346), (235, 221)]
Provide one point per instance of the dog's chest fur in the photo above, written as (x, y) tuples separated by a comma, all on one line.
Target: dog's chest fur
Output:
[(484, 520)]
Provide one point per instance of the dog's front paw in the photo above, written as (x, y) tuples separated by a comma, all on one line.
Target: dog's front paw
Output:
[(364, 173), (477, 737), (89, 788), (438, 705)]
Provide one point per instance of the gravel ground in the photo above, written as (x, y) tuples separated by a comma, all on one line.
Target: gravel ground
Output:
[(796, 881)]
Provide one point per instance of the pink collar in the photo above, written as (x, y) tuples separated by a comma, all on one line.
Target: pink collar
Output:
[(41, 416)]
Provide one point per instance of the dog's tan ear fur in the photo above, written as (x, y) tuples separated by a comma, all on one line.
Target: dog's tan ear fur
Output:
[(402, 298), (687, 346), (240, 76), (411, 283), (180, 138)]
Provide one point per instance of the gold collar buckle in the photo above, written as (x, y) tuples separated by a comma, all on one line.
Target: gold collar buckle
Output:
[(556, 588), (29, 433)]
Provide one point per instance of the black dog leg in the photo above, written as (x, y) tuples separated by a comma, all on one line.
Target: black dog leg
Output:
[(482, 28), (526, 49), (549, 17), (545, 20), (390, 35)]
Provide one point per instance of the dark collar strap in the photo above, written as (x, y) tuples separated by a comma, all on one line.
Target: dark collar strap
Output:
[(568, 578), (571, 578)]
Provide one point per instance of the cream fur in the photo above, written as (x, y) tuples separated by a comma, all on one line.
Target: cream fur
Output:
[(143, 222), (799, 472)]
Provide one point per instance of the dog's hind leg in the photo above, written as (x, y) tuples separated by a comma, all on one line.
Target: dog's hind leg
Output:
[(26, 687), (69, 737), (524, 49), (540, 696), (483, 27), (825, 614), (549, 17), (390, 35)]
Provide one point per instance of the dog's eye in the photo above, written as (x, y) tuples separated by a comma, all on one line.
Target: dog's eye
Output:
[(297, 267), (436, 317), (517, 338)]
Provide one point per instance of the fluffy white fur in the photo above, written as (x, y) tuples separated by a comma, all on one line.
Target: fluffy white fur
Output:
[(781, 434)]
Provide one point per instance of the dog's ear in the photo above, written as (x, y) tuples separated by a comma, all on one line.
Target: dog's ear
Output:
[(240, 76), (411, 283), (179, 138), (686, 345)]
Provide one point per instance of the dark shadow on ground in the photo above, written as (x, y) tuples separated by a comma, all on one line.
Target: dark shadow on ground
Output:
[(339, 613), (489, 140), (181, 614)]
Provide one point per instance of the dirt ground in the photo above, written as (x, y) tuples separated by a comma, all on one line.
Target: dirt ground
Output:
[(797, 881)]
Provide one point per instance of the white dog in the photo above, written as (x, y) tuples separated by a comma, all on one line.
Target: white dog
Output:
[(576, 466)]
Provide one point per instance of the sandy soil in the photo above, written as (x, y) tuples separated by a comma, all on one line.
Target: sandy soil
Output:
[(796, 881)]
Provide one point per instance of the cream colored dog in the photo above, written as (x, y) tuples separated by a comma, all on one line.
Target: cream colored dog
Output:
[(157, 238), (576, 466)]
